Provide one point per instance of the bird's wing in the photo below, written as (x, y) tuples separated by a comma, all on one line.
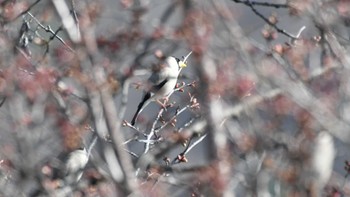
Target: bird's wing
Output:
[(157, 87), (158, 79)]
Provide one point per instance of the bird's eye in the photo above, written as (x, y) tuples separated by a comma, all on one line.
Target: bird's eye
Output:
[(177, 60)]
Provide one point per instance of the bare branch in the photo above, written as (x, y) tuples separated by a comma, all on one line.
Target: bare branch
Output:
[(267, 4), (68, 20)]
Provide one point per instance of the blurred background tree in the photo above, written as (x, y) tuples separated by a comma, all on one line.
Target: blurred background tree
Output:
[(262, 109)]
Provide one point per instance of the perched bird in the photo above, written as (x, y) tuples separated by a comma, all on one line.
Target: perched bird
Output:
[(74, 168), (162, 82), (77, 161), (75, 165)]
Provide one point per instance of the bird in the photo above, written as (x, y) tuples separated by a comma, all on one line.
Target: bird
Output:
[(162, 82), (73, 169), (77, 161), (75, 165)]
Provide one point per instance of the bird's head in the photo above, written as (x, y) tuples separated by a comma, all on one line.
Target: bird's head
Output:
[(175, 63)]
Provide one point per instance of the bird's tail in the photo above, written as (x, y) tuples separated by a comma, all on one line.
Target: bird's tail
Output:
[(139, 107)]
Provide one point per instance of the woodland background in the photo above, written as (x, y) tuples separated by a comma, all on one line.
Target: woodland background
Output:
[(262, 109)]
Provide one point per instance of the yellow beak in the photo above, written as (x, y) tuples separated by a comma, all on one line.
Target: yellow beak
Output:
[(182, 64)]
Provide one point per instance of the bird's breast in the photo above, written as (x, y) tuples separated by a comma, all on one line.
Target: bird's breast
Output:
[(167, 88)]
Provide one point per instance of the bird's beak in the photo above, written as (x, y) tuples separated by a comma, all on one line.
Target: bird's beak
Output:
[(182, 64)]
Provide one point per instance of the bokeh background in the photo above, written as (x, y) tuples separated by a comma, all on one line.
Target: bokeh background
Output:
[(262, 108)]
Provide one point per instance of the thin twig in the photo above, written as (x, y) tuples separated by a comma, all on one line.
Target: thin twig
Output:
[(131, 153), (135, 137), (152, 133), (275, 5), (49, 30), (127, 124), (28, 9), (172, 118), (279, 30), (92, 144), (190, 146), (187, 124)]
